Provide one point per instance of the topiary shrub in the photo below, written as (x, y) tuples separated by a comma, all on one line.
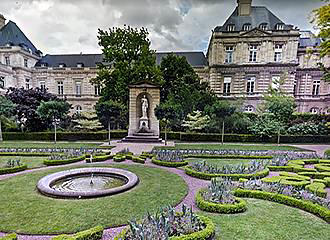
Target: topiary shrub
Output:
[(63, 162), (95, 233), (12, 236), (169, 164), (13, 169), (317, 188), (322, 167)]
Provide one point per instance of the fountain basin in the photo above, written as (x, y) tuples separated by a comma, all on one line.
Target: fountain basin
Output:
[(76, 183)]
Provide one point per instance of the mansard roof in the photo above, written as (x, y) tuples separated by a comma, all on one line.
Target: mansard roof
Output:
[(258, 16), (12, 35), (196, 59), (308, 39)]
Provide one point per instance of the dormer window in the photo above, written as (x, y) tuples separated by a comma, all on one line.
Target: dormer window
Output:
[(80, 65), (246, 27), (61, 65), (279, 26), (43, 64), (263, 26), (231, 27)]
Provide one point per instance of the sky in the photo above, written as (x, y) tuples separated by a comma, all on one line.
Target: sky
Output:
[(71, 26)]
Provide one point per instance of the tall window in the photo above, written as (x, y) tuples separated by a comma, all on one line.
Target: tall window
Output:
[(97, 90), (230, 27), (78, 88), (316, 88), (27, 83), (60, 88), (278, 52), (226, 85), (2, 82), (253, 53), (279, 26), (263, 26), (42, 85), (7, 60), (276, 82), (229, 54), (295, 87), (246, 27), (249, 109), (25, 62), (250, 85), (78, 109)]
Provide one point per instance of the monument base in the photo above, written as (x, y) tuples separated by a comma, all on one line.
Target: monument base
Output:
[(142, 138)]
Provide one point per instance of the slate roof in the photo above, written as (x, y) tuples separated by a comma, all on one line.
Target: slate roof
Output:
[(196, 59), (309, 42), (258, 15), (13, 35)]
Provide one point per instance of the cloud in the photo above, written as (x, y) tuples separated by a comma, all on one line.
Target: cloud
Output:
[(70, 26)]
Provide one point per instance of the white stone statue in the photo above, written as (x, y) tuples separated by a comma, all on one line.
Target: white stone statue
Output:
[(145, 106)]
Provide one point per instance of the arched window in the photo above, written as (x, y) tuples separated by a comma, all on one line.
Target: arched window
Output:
[(246, 27), (231, 27), (314, 110), (249, 109), (263, 26), (78, 109), (279, 26)]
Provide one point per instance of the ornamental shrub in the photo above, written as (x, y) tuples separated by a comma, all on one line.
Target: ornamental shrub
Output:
[(307, 128), (12, 236), (95, 233)]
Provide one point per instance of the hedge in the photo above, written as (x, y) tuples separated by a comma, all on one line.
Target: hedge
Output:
[(119, 158), (298, 177), (138, 160), (292, 181), (208, 176), (324, 161), (327, 181), (308, 206), (206, 234), (238, 207), (227, 156), (327, 153), (317, 175), (95, 233), (62, 162), (25, 154), (323, 167), (13, 169), (169, 164), (281, 168), (190, 137), (12, 236), (317, 188), (101, 158)]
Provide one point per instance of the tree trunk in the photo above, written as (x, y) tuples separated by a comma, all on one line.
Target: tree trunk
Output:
[(278, 138), (165, 134), (1, 139), (223, 132), (109, 134), (55, 132)]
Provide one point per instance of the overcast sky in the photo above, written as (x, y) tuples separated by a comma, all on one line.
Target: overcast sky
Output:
[(70, 26)]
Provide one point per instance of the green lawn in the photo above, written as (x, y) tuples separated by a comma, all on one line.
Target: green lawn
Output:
[(266, 220), (236, 147), (32, 162), (220, 162), (32, 144), (24, 210)]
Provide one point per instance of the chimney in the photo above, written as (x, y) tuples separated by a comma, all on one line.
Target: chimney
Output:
[(244, 7), (2, 21)]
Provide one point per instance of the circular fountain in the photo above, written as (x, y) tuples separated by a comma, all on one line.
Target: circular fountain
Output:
[(87, 183)]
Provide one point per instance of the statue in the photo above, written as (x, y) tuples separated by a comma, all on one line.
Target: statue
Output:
[(145, 106)]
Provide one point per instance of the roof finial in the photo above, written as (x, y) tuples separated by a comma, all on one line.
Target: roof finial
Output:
[(244, 7)]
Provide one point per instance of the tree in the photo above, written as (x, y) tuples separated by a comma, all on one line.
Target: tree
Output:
[(110, 112), (196, 121), (26, 103), (88, 121), (6, 110), (267, 126), (183, 87), (166, 113), (321, 19), (127, 59), (54, 111)]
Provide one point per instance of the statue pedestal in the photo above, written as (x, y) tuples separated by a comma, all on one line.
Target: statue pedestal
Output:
[(144, 124)]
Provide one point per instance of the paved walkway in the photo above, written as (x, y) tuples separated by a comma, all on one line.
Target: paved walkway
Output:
[(319, 149)]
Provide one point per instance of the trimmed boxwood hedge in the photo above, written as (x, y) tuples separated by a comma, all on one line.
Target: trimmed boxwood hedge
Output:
[(25, 154), (169, 164), (13, 169), (317, 188), (227, 156), (119, 158), (95, 233), (327, 153), (317, 175), (238, 207), (323, 167), (208, 176), (292, 181), (101, 158), (308, 206), (281, 168), (137, 159), (206, 234), (62, 162), (12, 236)]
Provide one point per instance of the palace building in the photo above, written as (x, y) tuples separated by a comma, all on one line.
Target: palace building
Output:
[(249, 53)]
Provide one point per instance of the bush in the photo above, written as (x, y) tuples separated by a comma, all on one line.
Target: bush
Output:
[(308, 206), (281, 168), (119, 158), (12, 236), (285, 180), (207, 176), (227, 156), (25, 154), (307, 128), (316, 175), (95, 233), (327, 181), (138, 160), (13, 169), (317, 188), (323, 167), (327, 154), (169, 164), (62, 162), (238, 207), (101, 158)]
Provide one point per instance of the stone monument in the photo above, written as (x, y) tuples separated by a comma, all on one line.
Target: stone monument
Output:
[(143, 124)]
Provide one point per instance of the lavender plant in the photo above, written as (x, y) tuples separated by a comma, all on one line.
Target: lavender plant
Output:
[(220, 191), (169, 156), (13, 163), (164, 224)]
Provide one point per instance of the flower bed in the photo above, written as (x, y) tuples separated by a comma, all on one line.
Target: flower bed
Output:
[(12, 236), (13, 169), (305, 205), (228, 156), (95, 233), (25, 154), (167, 224), (64, 161)]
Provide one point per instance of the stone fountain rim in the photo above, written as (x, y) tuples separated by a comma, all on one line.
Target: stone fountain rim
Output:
[(45, 183)]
